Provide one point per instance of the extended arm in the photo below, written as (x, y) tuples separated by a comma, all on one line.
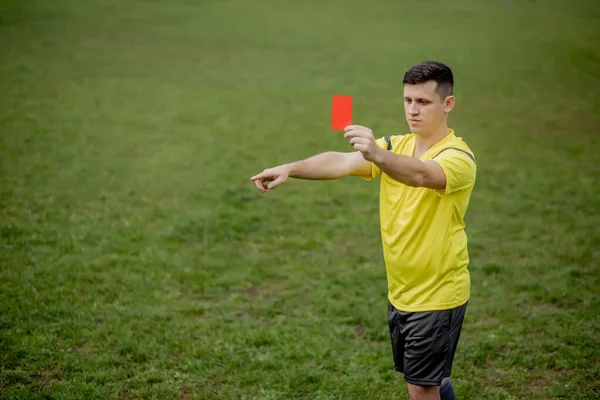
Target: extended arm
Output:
[(324, 166)]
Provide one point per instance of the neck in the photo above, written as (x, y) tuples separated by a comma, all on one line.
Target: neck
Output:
[(425, 140)]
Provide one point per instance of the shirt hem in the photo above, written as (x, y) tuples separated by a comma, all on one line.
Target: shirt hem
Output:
[(429, 307)]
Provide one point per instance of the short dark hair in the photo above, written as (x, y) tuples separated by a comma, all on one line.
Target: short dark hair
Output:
[(431, 71)]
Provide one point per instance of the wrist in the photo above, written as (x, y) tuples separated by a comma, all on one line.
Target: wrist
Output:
[(378, 154), (290, 169)]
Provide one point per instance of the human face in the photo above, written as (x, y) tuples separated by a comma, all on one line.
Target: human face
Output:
[(426, 112)]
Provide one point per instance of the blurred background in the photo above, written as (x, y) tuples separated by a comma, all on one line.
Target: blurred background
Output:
[(138, 261)]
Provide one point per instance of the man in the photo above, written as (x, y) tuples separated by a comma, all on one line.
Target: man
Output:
[(426, 181)]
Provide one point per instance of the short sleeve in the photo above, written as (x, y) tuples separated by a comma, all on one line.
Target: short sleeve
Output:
[(459, 167), (375, 171)]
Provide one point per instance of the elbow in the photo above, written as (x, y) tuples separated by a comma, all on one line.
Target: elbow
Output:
[(336, 167), (417, 180), (428, 180)]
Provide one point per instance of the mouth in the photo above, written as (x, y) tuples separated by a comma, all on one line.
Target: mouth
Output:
[(414, 121)]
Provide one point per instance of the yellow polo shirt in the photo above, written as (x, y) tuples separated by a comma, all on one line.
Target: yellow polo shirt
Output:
[(423, 230)]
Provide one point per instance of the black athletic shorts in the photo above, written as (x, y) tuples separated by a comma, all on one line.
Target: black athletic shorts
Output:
[(423, 343)]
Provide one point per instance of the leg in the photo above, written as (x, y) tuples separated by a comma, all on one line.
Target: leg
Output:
[(443, 392), (400, 330), (430, 339), (416, 392), (446, 390)]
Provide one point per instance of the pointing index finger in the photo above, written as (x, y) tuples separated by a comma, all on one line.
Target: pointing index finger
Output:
[(257, 176)]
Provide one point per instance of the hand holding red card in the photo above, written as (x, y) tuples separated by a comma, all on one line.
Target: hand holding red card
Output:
[(341, 113)]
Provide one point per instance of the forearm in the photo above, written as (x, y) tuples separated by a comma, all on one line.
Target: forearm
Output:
[(408, 170), (324, 166)]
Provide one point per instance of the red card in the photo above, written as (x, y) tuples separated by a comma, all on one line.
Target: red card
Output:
[(341, 113)]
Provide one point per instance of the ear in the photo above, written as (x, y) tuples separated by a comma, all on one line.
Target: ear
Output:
[(449, 103)]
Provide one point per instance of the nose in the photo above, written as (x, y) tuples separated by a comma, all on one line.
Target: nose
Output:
[(413, 109)]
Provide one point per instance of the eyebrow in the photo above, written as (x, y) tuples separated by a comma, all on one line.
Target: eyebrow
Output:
[(418, 98)]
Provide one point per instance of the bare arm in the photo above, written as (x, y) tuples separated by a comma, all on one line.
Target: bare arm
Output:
[(330, 165), (408, 170), (324, 166), (411, 171)]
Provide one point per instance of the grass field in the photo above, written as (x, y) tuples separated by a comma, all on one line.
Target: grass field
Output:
[(138, 261)]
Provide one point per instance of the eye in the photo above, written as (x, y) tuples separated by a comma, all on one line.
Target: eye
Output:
[(408, 100), (423, 102)]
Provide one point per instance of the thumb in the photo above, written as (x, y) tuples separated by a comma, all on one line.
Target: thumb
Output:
[(276, 182)]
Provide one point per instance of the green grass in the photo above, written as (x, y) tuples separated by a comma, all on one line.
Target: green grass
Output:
[(137, 261)]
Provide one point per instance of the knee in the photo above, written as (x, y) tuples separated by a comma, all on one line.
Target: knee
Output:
[(417, 392)]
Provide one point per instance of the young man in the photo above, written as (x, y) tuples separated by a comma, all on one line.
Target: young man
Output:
[(426, 181)]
